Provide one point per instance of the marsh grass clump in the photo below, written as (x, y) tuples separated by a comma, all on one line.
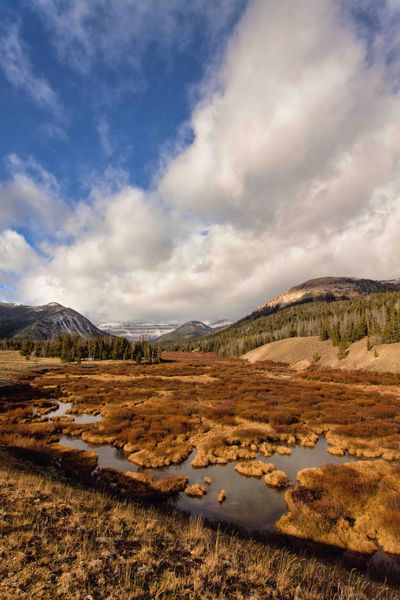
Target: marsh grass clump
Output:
[(352, 506), (196, 490), (277, 479), (254, 468)]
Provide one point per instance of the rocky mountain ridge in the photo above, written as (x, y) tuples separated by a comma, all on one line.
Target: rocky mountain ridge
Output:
[(327, 289), (43, 322), (189, 330)]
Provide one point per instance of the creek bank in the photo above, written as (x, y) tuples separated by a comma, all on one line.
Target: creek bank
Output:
[(249, 503)]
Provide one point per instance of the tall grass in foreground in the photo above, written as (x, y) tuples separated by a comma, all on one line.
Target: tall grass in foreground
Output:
[(62, 541)]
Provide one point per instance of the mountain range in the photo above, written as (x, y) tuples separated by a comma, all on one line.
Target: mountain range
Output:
[(343, 309), (161, 331), (43, 322)]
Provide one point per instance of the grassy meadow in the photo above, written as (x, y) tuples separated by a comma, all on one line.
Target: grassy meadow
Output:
[(226, 410)]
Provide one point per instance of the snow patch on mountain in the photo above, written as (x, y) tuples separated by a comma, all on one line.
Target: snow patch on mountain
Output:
[(137, 331)]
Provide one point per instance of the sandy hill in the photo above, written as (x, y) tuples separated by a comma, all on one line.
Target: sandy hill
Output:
[(301, 352)]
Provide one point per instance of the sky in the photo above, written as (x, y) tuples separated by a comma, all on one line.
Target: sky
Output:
[(189, 160)]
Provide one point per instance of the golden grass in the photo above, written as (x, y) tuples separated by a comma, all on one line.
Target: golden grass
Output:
[(64, 542), (254, 468), (224, 409), (277, 479), (351, 506), (11, 363)]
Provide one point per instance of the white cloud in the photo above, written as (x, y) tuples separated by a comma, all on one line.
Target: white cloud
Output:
[(31, 198), (16, 255), (283, 121), (53, 131), (17, 67), (293, 173)]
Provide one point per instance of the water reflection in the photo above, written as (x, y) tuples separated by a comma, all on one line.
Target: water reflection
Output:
[(62, 411), (249, 502), (108, 456)]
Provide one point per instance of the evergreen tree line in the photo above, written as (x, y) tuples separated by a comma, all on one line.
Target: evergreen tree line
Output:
[(75, 349), (343, 322)]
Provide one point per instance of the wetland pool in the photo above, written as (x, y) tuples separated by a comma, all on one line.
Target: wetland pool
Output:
[(249, 504)]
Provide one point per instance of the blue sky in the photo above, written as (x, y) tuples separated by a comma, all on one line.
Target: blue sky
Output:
[(110, 112), (183, 159)]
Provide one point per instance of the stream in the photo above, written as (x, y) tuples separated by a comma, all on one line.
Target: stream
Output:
[(249, 503)]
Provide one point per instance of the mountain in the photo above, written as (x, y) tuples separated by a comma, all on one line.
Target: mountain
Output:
[(189, 330), (151, 331), (219, 324), (327, 289), (342, 309), (137, 331), (43, 322)]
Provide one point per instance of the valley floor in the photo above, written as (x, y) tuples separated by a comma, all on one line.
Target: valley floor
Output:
[(62, 541), (209, 411), (12, 364)]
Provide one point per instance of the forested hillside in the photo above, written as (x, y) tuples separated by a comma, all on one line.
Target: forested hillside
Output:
[(376, 315)]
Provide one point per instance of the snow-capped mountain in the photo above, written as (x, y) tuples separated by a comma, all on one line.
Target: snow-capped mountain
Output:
[(137, 331), (43, 322), (152, 331)]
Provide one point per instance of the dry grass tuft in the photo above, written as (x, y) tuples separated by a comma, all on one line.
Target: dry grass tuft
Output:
[(353, 506)]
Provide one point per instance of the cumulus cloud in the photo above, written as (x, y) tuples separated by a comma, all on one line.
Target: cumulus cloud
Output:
[(30, 197), (287, 127), (293, 172), (17, 68), (15, 253)]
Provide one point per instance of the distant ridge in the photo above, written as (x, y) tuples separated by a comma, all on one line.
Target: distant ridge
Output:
[(364, 307), (189, 330), (43, 322), (136, 331), (327, 289)]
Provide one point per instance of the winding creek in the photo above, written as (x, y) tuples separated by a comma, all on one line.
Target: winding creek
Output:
[(249, 503)]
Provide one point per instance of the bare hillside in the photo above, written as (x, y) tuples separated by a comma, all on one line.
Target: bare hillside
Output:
[(301, 352)]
